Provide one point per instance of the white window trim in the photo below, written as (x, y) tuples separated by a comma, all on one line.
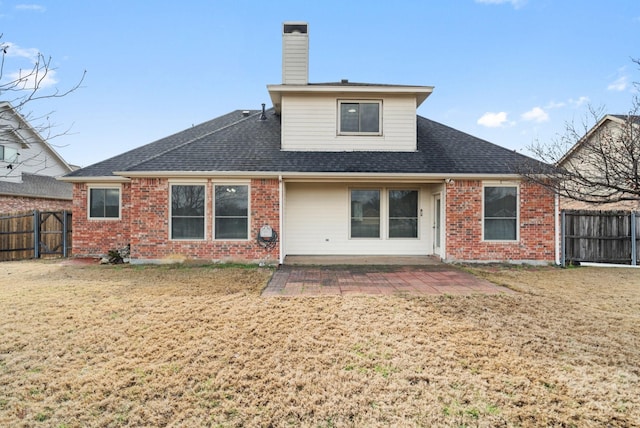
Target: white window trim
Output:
[(359, 101), (213, 211), (384, 213), (502, 184), (382, 204), (4, 158), (170, 222), (104, 186), (388, 206)]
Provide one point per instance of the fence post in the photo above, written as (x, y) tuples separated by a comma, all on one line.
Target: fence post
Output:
[(634, 256), (64, 233), (36, 234), (563, 235)]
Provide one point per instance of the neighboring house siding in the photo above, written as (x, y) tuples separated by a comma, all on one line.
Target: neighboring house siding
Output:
[(310, 124), (464, 225), (145, 224), (94, 238), (585, 156), (9, 204)]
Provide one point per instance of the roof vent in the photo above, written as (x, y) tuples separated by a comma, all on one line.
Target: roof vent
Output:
[(263, 116), (344, 81), (245, 113)]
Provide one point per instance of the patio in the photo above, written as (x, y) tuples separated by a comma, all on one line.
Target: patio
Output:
[(357, 279)]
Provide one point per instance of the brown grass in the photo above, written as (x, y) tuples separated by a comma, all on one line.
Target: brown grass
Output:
[(198, 346)]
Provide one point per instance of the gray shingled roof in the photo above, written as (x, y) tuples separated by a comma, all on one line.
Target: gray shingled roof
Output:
[(234, 142), (37, 186)]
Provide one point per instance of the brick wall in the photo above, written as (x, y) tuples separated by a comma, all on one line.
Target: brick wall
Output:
[(11, 204), (94, 238), (145, 225), (464, 225)]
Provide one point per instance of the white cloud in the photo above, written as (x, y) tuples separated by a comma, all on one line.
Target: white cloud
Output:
[(536, 114), (493, 120), (28, 81), (553, 104), (31, 7), (579, 102), (620, 84), (515, 3), (14, 50)]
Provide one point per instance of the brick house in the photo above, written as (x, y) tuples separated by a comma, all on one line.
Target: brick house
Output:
[(336, 168), (29, 167)]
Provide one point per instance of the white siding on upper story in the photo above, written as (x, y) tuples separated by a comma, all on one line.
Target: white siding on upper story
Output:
[(35, 155), (310, 123)]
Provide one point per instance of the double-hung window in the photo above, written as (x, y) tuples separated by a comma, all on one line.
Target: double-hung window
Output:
[(403, 213), (231, 218), (365, 213), (500, 213), (104, 203), (187, 211), (359, 117)]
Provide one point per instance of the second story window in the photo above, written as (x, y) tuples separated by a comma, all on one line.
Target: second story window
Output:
[(8, 154), (360, 117)]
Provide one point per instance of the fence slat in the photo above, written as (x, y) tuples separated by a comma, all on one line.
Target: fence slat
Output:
[(32, 234), (599, 236)]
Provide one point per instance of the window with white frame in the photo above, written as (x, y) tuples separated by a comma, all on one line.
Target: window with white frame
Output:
[(500, 213), (359, 117), (8, 154), (187, 211), (365, 213), (104, 202), (231, 206), (403, 213)]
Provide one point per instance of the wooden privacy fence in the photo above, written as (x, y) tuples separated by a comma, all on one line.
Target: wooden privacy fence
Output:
[(34, 234), (600, 236)]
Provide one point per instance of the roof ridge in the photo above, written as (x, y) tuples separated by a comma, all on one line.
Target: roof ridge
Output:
[(193, 139)]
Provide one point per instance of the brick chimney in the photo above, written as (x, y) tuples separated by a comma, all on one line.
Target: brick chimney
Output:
[(295, 53)]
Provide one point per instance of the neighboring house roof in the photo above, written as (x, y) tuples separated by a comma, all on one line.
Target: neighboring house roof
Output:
[(619, 119), (37, 186), (238, 143)]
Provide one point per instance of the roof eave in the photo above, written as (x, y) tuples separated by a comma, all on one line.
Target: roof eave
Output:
[(94, 179), (342, 176), (276, 91)]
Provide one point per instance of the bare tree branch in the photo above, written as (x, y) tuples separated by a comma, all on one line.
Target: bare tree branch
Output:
[(598, 162), (25, 89)]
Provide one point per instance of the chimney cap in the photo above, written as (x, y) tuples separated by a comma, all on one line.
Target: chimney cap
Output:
[(291, 27)]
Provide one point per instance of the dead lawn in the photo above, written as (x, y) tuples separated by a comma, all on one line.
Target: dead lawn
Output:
[(173, 346)]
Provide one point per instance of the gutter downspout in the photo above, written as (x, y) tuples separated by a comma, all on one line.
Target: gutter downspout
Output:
[(281, 218), (557, 226)]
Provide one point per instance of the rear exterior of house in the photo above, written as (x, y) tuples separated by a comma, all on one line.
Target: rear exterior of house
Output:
[(336, 168)]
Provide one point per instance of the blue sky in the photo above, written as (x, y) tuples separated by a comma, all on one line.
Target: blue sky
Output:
[(508, 71)]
